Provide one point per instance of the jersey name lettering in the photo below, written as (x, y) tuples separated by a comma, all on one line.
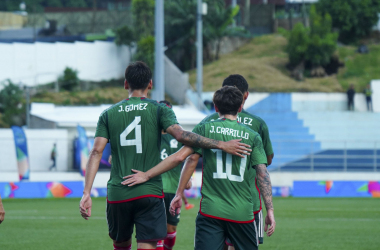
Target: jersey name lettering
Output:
[(245, 120), (141, 106), (229, 131)]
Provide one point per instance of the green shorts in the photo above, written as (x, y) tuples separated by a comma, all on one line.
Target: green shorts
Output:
[(260, 229), (170, 219), (147, 214), (211, 233)]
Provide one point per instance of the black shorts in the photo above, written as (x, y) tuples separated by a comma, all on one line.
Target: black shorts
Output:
[(148, 214), (260, 229), (211, 233), (170, 219)]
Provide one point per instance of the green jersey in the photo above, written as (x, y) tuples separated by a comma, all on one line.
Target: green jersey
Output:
[(256, 124), (134, 127), (170, 179), (227, 180)]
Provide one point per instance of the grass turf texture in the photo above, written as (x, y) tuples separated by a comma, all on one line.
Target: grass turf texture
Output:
[(302, 223)]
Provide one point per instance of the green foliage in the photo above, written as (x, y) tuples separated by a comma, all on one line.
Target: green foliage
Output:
[(69, 81), (124, 36), (39, 5), (145, 51), (12, 104), (143, 18), (353, 18), (316, 44), (323, 42), (298, 41)]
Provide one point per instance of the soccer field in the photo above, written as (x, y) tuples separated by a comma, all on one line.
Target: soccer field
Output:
[(302, 223)]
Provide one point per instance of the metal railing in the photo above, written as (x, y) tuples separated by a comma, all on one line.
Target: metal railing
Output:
[(307, 155)]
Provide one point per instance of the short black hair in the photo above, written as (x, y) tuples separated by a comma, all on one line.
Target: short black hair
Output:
[(228, 100), (138, 75), (237, 81), (167, 103)]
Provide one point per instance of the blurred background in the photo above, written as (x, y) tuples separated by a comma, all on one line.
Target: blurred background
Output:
[(312, 68)]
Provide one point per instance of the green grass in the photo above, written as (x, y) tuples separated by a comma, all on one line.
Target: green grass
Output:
[(301, 224)]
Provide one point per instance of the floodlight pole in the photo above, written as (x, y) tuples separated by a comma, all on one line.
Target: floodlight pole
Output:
[(199, 53), (159, 69)]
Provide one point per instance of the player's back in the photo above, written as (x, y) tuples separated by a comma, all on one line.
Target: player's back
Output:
[(134, 129), (227, 180), (170, 179)]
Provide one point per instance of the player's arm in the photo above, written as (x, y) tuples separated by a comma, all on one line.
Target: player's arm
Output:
[(265, 187), (169, 163), (91, 170), (234, 147), (187, 171), (2, 212), (270, 158)]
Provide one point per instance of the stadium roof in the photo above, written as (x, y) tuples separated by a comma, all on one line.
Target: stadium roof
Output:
[(87, 116)]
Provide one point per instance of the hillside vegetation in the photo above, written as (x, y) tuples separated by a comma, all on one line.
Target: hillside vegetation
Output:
[(263, 63)]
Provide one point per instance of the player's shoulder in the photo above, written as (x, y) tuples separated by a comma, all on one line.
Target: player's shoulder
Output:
[(248, 129), (116, 105), (210, 117), (255, 117)]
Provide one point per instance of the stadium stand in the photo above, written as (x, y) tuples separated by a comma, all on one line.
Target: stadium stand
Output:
[(319, 141)]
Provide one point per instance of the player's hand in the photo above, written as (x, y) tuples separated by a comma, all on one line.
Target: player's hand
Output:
[(2, 212), (85, 206), (235, 147), (189, 184), (175, 205), (134, 179), (269, 220)]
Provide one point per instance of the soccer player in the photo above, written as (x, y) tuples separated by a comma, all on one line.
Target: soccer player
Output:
[(226, 207), (258, 125), (133, 127), (170, 179), (2, 212)]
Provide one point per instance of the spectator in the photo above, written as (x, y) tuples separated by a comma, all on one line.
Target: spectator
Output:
[(350, 97), (368, 97), (53, 156)]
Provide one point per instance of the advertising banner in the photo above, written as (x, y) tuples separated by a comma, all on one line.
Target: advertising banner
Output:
[(336, 189), (68, 189), (21, 153), (83, 149)]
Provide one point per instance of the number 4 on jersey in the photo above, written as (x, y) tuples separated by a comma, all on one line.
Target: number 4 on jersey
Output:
[(134, 142)]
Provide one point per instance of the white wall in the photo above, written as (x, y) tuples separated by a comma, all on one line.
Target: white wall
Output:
[(40, 63), (326, 102), (40, 143)]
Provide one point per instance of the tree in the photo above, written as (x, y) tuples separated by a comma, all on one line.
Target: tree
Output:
[(354, 19), (125, 36), (217, 22), (145, 51), (12, 105), (315, 45), (143, 18), (69, 81)]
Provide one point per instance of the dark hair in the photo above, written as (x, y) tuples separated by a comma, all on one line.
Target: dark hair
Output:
[(237, 81), (167, 103), (228, 100), (138, 75)]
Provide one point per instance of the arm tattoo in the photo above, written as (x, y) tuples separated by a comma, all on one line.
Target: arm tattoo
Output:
[(194, 140), (191, 139), (265, 185)]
